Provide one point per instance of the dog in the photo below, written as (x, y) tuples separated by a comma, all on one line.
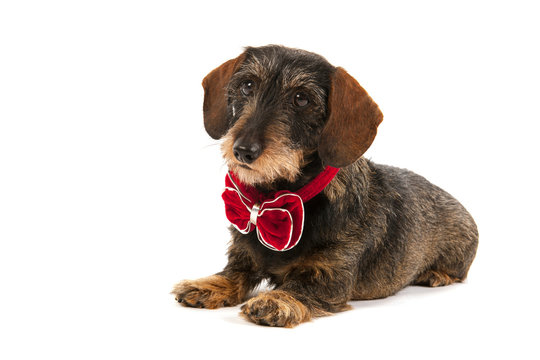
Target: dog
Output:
[(287, 118)]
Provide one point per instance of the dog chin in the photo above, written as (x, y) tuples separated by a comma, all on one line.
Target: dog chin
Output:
[(251, 175), (246, 174)]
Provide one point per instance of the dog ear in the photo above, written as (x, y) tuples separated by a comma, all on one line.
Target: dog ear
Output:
[(352, 121), (215, 97)]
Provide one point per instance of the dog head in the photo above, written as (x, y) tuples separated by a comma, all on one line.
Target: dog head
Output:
[(278, 109)]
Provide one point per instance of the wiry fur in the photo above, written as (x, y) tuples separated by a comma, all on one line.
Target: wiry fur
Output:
[(278, 161), (373, 230)]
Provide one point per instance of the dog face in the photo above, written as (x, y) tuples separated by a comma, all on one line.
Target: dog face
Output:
[(278, 109)]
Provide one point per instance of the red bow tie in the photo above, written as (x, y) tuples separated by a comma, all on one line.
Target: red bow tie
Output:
[(278, 217)]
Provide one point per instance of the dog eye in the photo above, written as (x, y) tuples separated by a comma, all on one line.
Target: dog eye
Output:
[(301, 99), (247, 87)]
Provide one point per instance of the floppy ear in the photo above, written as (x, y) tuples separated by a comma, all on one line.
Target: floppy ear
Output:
[(352, 121), (215, 97)]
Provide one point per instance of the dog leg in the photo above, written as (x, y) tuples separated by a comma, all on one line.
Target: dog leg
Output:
[(314, 288), (227, 288), (210, 292), (285, 309), (435, 278), (276, 308), (223, 289), (448, 270)]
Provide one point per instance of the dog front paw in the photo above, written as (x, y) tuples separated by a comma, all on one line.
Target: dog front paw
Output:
[(211, 292), (276, 308)]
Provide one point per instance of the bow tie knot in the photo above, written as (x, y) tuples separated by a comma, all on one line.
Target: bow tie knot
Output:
[(253, 214)]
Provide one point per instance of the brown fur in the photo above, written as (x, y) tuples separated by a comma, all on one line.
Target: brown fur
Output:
[(276, 308), (352, 121), (215, 102), (435, 278), (211, 292)]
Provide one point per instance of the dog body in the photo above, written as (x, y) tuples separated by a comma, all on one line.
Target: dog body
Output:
[(284, 115)]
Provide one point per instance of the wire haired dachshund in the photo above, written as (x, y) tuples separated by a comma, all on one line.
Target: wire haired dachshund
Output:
[(290, 123)]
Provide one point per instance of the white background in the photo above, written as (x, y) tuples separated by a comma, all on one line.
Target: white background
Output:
[(110, 188)]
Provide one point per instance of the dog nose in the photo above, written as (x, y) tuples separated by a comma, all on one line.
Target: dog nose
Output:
[(246, 153)]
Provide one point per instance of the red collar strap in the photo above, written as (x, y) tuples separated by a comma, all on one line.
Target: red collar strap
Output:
[(278, 217)]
